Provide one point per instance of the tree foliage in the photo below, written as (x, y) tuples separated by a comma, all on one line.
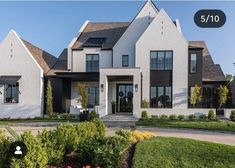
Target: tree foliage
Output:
[(222, 95), (84, 94), (49, 99), (196, 95)]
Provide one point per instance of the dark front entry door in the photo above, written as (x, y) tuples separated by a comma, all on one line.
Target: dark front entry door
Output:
[(124, 97)]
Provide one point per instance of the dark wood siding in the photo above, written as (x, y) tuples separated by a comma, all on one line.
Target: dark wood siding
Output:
[(160, 78)]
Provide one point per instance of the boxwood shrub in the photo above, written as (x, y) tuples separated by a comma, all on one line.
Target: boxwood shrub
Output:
[(164, 117), (232, 115), (211, 115), (192, 117), (181, 117), (173, 117)]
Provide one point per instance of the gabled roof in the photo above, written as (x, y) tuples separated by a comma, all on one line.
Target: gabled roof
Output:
[(110, 31), (43, 58), (211, 71), (60, 65)]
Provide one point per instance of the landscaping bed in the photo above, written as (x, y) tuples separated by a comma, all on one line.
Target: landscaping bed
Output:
[(204, 125), (162, 152)]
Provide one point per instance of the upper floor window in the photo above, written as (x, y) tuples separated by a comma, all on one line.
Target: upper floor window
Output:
[(161, 60), (125, 61), (12, 93), (193, 63), (92, 63)]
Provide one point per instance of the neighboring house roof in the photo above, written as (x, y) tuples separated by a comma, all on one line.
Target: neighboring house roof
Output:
[(211, 71), (60, 65), (43, 58), (103, 34)]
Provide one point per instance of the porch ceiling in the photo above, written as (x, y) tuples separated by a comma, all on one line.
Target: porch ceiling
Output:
[(120, 78)]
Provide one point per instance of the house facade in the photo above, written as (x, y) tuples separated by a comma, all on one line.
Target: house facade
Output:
[(124, 64), (22, 70)]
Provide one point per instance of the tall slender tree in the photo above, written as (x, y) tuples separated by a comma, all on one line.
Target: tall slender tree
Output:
[(223, 95), (49, 99), (195, 96)]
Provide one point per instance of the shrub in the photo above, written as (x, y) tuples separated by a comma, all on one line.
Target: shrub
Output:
[(211, 115), (192, 117), (154, 116), (145, 104), (93, 115), (100, 127), (144, 115), (4, 147), (36, 156), (123, 133), (137, 136), (173, 117), (102, 151), (203, 117), (164, 117), (181, 117), (232, 115)]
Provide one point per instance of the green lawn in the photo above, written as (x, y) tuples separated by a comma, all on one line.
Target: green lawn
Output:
[(162, 152), (206, 125)]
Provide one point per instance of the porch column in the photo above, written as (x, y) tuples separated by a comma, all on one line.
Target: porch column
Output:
[(103, 89), (137, 94)]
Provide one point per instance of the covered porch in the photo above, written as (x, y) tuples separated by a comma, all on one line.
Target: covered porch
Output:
[(120, 91)]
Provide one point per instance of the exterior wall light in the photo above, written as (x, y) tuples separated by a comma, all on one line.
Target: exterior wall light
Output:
[(136, 87), (102, 87)]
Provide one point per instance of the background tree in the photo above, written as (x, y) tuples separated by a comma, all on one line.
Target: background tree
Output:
[(222, 95), (49, 99), (195, 96), (84, 95), (228, 77)]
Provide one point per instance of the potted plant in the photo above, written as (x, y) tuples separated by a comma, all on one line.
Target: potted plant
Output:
[(113, 107), (82, 90)]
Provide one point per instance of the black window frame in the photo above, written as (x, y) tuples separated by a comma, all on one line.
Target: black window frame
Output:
[(156, 64), (6, 88), (164, 90), (125, 63), (90, 67), (190, 67)]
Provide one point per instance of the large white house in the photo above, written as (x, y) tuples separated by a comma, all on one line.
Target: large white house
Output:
[(126, 63), (123, 64)]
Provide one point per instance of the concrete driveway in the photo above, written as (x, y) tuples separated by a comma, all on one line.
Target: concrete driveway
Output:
[(211, 136)]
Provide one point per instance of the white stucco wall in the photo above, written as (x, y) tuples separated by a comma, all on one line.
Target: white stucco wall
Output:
[(126, 44), (162, 34), (185, 112), (16, 60), (105, 98), (79, 58)]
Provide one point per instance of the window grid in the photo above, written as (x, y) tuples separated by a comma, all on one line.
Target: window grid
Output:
[(160, 96), (161, 60), (193, 63), (92, 63), (125, 60), (11, 93)]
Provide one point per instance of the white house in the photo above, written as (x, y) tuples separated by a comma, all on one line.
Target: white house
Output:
[(22, 69), (126, 63)]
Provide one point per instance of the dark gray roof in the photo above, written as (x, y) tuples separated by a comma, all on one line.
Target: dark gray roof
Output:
[(43, 58), (60, 65), (211, 71), (110, 31)]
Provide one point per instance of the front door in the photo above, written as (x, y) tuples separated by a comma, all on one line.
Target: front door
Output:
[(124, 98)]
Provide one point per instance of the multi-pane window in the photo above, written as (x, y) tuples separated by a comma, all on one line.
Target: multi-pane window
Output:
[(125, 60), (160, 97), (12, 93), (92, 63), (93, 96), (161, 60), (193, 63)]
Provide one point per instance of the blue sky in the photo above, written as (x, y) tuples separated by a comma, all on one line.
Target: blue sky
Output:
[(52, 25)]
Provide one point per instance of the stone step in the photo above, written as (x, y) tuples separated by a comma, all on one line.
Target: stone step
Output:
[(119, 118), (120, 124)]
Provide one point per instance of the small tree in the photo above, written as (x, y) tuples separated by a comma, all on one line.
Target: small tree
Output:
[(195, 96), (223, 95), (84, 94), (49, 99)]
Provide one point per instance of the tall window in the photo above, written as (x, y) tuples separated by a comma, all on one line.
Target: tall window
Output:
[(193, 63), (125, 60), (161, 60), (93, 96), (160, 97), (92, 63), (12, 93)]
